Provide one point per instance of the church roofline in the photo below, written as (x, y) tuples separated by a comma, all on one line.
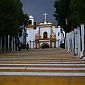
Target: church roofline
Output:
[(31, 17)]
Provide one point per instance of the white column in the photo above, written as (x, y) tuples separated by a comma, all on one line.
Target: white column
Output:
[(82, 39), (79, 46), (30, 44), (5, 43), (8, 42), (67, 41), (52, 44), (76, 41), (65, 44), (72, 34), (12, 43), (70, 42), (1, 44)]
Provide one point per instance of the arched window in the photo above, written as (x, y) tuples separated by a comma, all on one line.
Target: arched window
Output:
[(45, 35)]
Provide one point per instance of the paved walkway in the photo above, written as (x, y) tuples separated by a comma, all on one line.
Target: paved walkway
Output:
[(52, 66)]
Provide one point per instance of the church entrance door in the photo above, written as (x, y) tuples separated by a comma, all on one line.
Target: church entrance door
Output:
[(45, 45)]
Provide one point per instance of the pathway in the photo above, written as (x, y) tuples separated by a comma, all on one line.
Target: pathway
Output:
[(52, 66)]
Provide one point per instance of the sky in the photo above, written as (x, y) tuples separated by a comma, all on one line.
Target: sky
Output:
[(37, 8)]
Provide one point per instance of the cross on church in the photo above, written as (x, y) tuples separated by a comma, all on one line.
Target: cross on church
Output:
[(45, 16)]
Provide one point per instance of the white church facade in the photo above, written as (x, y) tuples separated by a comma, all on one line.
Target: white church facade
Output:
[(45, 34)]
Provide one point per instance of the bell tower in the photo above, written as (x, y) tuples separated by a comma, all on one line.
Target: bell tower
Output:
[(31, 18)]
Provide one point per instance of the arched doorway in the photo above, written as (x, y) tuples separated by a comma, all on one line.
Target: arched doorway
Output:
[(45, 35)]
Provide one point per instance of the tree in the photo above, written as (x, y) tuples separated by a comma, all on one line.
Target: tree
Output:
[(10, 16), (62, 13), (25, 19), (73, 11), (78, 12)]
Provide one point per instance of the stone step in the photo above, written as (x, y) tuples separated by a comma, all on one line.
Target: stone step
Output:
[(43, 69), (62, 67), (42, 80), (42, 62), (58, 74)]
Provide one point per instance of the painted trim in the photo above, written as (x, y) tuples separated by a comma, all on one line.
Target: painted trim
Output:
[(42, 64), (48, 62), (28, 68), (40, 74)]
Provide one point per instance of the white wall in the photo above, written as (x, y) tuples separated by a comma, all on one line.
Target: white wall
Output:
[(42, 30), (31, 34), (70, 41), (30, 37), (75, 41)]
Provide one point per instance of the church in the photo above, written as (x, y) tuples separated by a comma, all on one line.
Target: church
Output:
[(44, 35)]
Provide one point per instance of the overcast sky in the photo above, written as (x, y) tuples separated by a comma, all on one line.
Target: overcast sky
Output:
[(38, 7)]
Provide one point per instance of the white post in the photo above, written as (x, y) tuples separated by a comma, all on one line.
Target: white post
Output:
[(1, 44), (82, 39), (12, 43), (76, 41), (65, 44), (72, 41), (67, 41), (8, 43), (5, 43), (79, 46), (30, 44)]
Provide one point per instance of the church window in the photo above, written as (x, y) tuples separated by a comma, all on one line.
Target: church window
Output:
[(45, 35)]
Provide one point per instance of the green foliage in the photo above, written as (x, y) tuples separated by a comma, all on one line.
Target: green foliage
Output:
[(78, 12), (72, 10), (10, 16), (62, 13), (25, 19)]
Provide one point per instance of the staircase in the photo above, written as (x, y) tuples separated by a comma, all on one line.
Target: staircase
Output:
[(52, 66)]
